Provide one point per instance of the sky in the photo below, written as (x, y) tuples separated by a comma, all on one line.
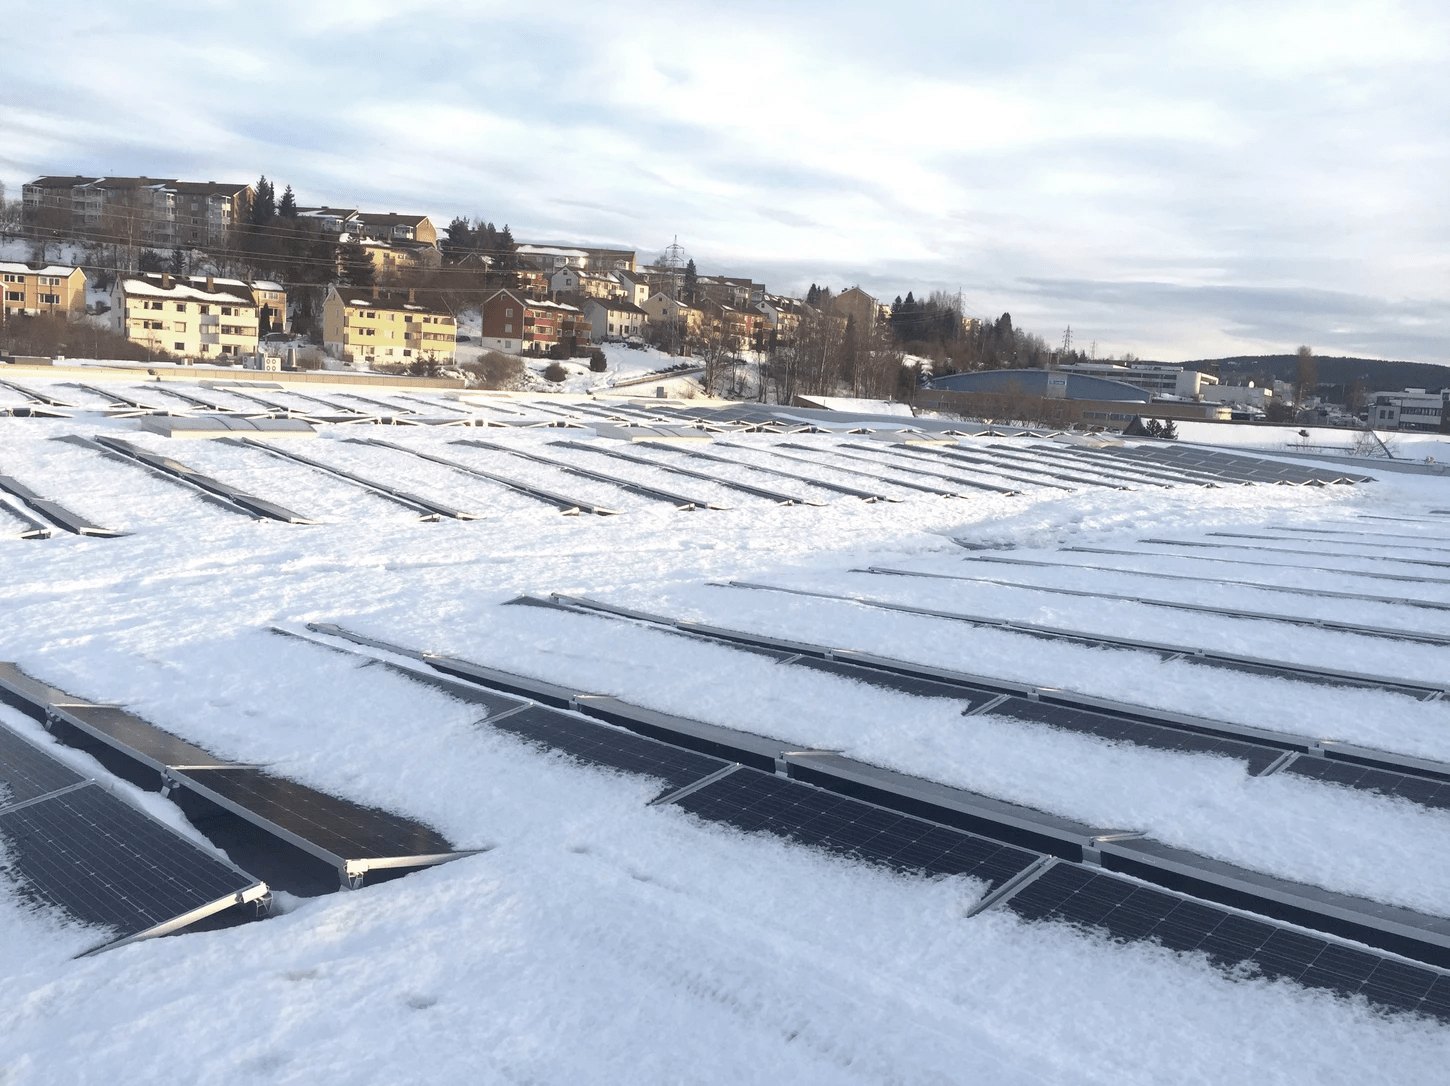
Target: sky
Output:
[(1175, 180)]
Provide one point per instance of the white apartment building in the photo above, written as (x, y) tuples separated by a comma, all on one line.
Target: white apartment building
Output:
[(1155, 378), (1412, 409)]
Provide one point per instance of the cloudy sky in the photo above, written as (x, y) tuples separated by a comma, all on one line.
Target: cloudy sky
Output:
[(1178, 180)]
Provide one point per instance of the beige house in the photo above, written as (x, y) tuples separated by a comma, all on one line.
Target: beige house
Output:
[(270, 297), (206, 322), (855, 302), (363, 324), (31, 291), (663, 309), (634, 287), (612, 319)]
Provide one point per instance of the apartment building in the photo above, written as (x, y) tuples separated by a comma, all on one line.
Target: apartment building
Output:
[(369, 326), (572, 280), (782, 315), (613, 319), (332, 220), (31, 291), (270, 298), (662, 309), (155, 211), (550, 255), (390, 256), (515, 324), (549, 258), (202, 322), (393, 227), (634, 286)]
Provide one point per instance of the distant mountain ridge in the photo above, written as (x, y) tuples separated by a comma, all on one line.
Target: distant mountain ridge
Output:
[(1377, 374)]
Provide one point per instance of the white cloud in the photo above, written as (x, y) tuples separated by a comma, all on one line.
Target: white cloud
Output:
[(1138, 155)]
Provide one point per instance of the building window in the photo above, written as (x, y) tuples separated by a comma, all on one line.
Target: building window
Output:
[(181, 307), (507, 328), (205, 309), (15, 295), (153, 305), (180, 346)]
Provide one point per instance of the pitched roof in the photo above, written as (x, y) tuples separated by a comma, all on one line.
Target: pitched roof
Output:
[(14, 267), (182, 292), (63, 182), (361, 298), (391, 218)]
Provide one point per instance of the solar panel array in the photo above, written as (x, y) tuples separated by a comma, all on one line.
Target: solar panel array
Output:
[(913, 827)]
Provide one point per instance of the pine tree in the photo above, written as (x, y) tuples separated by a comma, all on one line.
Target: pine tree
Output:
[(691, 285), (178, 262), (287, 209), (459, 241), (357, 266), (1169, 431), (264, 203)]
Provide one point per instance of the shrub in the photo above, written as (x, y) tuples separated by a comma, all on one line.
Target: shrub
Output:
[(496, 371), (555, 372), (597, 362)]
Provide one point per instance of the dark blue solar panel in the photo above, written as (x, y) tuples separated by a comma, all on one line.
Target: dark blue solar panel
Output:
[(1106, 726), (26, 771), (105, 863), (1422, 790), (1128, 911), (753, 801), (341, 827), (614, 748)]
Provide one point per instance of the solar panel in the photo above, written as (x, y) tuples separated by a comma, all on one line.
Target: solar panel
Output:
[(109, 865), (924, 488), (1128, 911), (1100, 462), (753, 801), (336, 830), (27, 772), (53, 511), (1422, 790), (1029, 459), (613, 748), (1258, 756), (936, 454)]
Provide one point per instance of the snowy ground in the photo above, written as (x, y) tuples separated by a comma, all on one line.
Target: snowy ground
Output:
[(600, 940)]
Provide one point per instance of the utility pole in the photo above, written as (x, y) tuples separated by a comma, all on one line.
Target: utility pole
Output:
[(1067, 340)]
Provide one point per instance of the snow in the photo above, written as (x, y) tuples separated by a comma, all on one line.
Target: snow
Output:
[(602, 940)]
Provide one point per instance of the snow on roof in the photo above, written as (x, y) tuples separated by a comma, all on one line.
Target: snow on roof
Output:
[(548, 250), (181, 291), (14, 267)]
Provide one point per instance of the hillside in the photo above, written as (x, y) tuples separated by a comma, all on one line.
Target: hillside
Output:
[(1376, 373)]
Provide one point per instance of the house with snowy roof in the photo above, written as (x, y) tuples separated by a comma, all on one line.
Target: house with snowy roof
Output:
[(206, 321), (515, 324), (392, 227), (369, 325), (53, 288), (613, 319), (270, 297)]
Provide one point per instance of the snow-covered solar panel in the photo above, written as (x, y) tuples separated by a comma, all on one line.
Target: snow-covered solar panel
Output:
[(27, 772), (215, 491), (1372, 575), (1426, 791), (1288, 550), (955, 455), (839, 488), (753, 801), (1128, 911), (407, 499), (1362, 630), (1028, 458), (879, 474), (613, 748), (972, 484), (679, 501), (731, 484), (53, 511)]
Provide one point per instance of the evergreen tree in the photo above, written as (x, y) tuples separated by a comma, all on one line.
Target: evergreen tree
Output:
[(178, 262), (459, 241), (264, 204), (691, 285), (151, 261), (287, 209), (357, 266)]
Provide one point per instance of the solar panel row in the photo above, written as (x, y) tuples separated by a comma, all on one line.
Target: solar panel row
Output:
[(912, 841)]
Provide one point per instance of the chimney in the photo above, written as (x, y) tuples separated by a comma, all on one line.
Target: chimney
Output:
[(210, 283), (165, 280), (411, 292)]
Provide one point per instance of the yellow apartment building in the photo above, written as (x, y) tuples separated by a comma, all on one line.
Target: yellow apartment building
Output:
[(362, 323), (31, 291), (207, 323)]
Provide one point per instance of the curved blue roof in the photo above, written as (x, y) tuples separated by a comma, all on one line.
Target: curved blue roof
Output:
[(1080, 386)]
